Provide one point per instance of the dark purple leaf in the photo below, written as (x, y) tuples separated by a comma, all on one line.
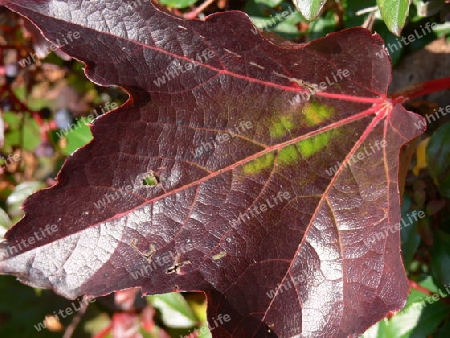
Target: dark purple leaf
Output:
[(153, 202)]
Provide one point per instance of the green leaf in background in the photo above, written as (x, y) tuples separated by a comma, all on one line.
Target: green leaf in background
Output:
[(175, 311), (440, 263), (283, 20), (310, 9), (5, 222), (31, 132), (321, 27), (394, 14), (269, 3), (442, 30), (438, 158), (177, 3), (429, 8), (21, 192), (417, 28), (443, 331), (77, 137), (203, 331), (409, 234), (420, 316), (429, 320), (96, 323), (352, 7), (22, 309)]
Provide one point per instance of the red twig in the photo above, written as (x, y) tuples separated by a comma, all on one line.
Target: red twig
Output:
[(193, 14), (420, 89), (76, 320), (414, 285), (103, 333)]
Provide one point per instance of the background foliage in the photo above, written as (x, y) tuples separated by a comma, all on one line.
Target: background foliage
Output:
[(57, 94)]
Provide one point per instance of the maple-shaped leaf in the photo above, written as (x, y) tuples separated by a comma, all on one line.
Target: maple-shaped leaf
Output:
[(258, 173)]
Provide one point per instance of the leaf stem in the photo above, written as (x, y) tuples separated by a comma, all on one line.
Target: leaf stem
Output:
[(420, 89), (192, 14), (414, 285)]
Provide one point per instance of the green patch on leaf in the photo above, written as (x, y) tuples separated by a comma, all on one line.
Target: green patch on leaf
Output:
[(312, 145), (219, 255), (288, 155), (149, 181), (258, 165), (282, 127), (316, 113), (306, 148)]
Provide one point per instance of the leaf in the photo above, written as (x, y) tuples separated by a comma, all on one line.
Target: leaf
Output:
[(419, 318), (429, 8), (440, 263), (5, 221), (2, 131), (284, 21), (268, 3), (323, 26), (394, 14), (177, 3), (77, 138), (20, 193), (310, 9), (258, 202), (175, 311), (438, 158), (410, 238), (30, 134)]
